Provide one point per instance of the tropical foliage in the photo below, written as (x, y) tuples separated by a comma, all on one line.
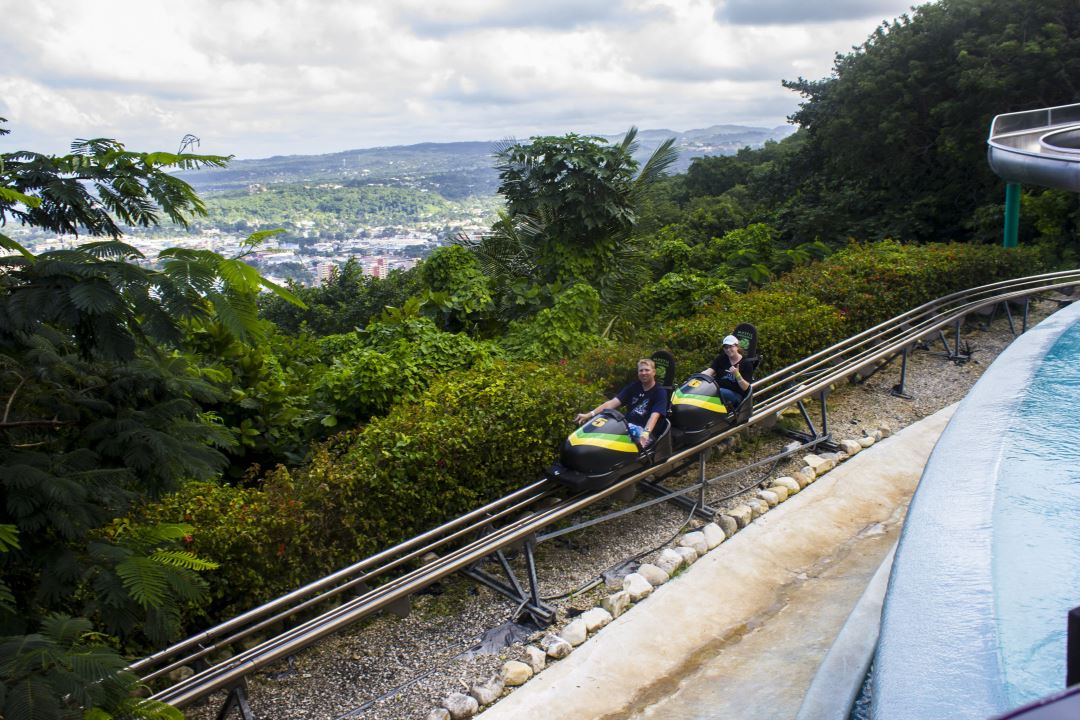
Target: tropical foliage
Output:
[(102, 407)]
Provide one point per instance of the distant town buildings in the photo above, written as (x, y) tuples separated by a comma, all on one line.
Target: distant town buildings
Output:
[(376, 267), (379, 251), (323, 272)]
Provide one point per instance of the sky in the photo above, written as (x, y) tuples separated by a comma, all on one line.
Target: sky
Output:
[(257, 78)]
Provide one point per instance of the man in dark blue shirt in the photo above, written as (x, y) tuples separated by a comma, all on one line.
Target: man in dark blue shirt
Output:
[(646, 401)]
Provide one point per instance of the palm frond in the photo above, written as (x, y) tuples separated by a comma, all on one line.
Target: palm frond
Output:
[(657, 164)]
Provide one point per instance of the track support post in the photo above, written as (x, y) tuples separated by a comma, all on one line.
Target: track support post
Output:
[(529, 601), (814, 437), (237, 698), (899, 390)]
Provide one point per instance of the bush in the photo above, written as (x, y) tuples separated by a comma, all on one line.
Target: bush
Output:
[(682, 294), (393, 364), (790, 326), (472, 437), (266, 539), (874, 282), (564, 330), (458, 292)]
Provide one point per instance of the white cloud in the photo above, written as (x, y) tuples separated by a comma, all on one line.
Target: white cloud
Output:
[(262, 77), (790, 12)]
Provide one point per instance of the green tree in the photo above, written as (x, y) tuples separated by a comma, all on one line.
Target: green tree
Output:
[(583, 196), (347, 301), (895, 138), (101, 406), (564, 330), (458, 292)]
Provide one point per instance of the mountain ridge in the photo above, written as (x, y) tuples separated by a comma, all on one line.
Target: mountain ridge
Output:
[(461, 168)]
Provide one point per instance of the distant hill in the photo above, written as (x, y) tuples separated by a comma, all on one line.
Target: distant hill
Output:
[(714, 140), (453, 170)]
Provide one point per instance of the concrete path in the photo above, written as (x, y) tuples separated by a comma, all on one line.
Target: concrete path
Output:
[(741, 633)]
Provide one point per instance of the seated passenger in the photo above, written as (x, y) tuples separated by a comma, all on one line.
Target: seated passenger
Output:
[(647, 402), (733, 372)]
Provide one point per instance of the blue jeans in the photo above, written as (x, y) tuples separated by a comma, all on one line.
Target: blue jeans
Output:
[(730, 397)]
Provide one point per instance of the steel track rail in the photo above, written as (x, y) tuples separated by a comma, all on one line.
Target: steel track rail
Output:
[(779, 390), (324, 588), (1039, 282)]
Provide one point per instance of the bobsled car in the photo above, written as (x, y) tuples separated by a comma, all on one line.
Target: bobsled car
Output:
[(600, 452), (697, 411)]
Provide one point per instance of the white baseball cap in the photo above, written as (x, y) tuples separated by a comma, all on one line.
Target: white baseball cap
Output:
[(731, 340)]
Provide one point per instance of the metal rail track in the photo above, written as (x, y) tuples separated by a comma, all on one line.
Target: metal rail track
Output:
[(522, 514)]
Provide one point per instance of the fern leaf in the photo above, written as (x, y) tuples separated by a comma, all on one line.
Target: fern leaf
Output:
[(282, 293), (7, 600), (31, 699), (9, 244), (96, 296), (162, 532), (148, 710), (96, 664), (19, 653), (240, 276), (7, 195), (257, 238), (64, 629), (240, 318), (144, 580), (9, 538), (112, 249), (183, 559)]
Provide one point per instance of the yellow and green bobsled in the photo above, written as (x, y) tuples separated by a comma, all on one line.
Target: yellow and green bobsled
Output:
[(697, 411)]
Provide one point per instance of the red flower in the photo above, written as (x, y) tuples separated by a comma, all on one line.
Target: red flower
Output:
[(281, 549)]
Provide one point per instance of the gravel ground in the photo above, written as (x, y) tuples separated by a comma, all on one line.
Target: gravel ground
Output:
[(392, 668)]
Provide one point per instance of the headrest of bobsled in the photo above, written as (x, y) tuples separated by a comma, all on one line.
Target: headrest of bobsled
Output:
[(665, 367)]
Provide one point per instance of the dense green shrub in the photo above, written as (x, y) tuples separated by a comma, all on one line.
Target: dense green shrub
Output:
[(392, 363), (610, 366), (682, 294), (265, 400), (563, 330), (348, 299), (267, 540), (470, 438), (871, 283), (790, 326), (458, 293)]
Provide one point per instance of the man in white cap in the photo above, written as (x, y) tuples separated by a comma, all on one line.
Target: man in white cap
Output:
[(733, 372)]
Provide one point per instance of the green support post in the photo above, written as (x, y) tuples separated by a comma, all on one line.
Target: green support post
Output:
[(1012, 214)]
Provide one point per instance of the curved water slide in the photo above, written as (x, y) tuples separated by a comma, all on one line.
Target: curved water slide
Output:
[(1037, 147)]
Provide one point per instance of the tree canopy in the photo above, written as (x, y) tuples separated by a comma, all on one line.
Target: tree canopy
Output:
[(895, 138), (582, 196), (103, 404)]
